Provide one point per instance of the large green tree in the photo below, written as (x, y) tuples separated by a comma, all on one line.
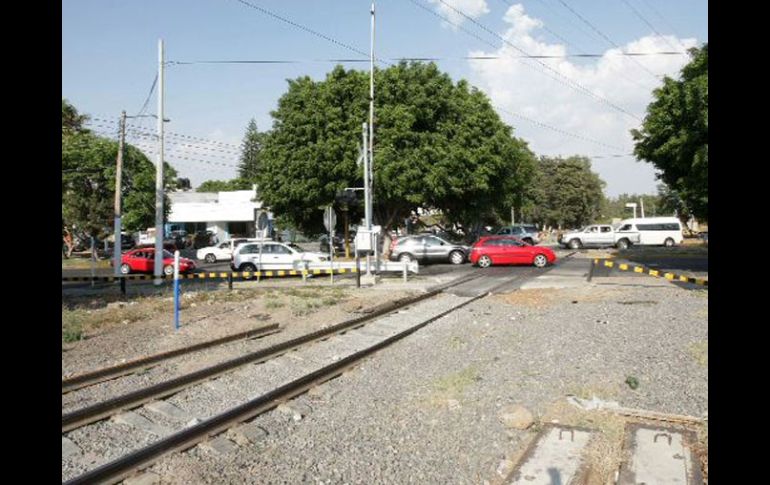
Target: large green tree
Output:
[(88, 181), (251, 149), (224, 185), (565, 193), (437, 145), (674, 135)]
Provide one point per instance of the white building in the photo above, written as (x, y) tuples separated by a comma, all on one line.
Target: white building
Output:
[(226, 214)]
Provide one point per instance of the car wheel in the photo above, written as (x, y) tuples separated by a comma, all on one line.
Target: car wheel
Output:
[(485, 262), (210, 258), (168, 270), (575, 244), (248, 268), (623, 244), (406, 258), (456, 257), (668, 242), (125, 269), (540, 261)]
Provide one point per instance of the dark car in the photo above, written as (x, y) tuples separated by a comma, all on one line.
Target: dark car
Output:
[(428, 249), (339, 243)]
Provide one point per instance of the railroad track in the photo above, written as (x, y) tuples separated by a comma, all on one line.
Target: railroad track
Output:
[(355, 345), (138, 365)]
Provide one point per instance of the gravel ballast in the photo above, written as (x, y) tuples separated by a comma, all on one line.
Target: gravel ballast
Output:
[(426, 410)]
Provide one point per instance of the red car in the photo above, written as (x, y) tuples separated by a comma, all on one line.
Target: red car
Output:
[(489, 250), (142, 260)]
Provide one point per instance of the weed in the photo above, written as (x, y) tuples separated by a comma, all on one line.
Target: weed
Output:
[(632, 382), (272, 304), (699, 351)]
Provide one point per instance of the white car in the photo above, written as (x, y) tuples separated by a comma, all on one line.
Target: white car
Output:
[(222, 251), (272, 256)]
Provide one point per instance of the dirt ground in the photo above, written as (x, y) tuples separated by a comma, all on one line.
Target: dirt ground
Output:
[(103, 331)]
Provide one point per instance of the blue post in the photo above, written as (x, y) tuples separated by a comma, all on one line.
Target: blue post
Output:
[(176, 290)]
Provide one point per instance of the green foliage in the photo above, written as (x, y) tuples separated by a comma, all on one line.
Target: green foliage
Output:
[(224, 185), (71, 121), (674, 135), (615, 207), (565, 193), (438, 145), (251, 153), (88, 181)]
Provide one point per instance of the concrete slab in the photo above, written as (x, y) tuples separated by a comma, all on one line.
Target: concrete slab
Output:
[(554, 457), (148, 478), (169, 411), (140, 422), (219, 445), (659, 456), (249, 433), (571, 273), (69, 448)]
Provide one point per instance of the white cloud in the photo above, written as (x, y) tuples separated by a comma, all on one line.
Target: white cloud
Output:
[(519, 85), (471, 8)]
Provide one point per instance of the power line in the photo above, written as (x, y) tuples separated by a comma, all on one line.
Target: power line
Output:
[(571, 83), (306, 29), (643, 19), (583, 52), (427, 58), (661, 17), (605, 37), (180, 135), (558, 130), (149, 95)]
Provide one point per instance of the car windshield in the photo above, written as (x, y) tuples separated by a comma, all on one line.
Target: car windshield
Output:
[(295, 247), (167, 254)]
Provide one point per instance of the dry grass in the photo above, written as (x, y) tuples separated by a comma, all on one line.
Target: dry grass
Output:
[(541, 298), (450, 387), (699, 351)]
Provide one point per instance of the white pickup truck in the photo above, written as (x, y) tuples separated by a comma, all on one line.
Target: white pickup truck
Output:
[(599, 235)]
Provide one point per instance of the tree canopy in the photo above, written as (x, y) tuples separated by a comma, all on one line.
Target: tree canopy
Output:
[(565, 193), (88, 181), (437, 145), (224, 185), (251, 149), (674, 135)]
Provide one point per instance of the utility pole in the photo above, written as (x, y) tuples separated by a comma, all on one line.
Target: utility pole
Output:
[(117, 249), (513, 215), (367, 200), (371, 135), (641, 203), (159, 174)]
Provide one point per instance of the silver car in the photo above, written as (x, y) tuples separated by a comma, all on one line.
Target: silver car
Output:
[(428, 249), (526, 232)]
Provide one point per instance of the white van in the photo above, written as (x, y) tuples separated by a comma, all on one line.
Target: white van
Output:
[(654, 231)]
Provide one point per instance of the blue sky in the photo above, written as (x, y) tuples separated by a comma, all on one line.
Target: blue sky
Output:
[(109, 61)]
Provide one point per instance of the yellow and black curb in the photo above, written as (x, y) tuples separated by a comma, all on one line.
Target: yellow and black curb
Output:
[(216, 275), (651, 272)]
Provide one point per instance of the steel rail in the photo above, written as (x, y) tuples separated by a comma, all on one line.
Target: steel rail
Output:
[(131, 400), (122, 467), (113, 372), (118, 469)]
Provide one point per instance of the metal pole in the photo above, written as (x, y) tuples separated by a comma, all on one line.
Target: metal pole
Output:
[(641, 203), (358, 264), (176, 289), (331, 242), (93, 261), (513, 216), (371, 119), (118, 186), (159, 174), (367, 201)]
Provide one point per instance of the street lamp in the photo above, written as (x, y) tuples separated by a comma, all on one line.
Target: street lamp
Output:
[(632, 204)]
